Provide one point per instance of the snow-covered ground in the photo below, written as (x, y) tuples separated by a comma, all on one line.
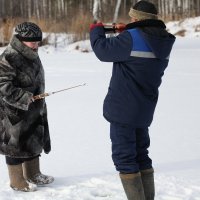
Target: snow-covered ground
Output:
[(189, 27), (80, 159)]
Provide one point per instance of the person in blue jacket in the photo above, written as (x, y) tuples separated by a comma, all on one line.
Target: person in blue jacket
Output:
[(140, 55)]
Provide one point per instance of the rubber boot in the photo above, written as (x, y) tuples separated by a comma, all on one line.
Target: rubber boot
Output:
[(133, 187), (148, 183), (17, 181), (31, 171)]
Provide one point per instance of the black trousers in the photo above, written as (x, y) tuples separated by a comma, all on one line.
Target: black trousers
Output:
[(17, 161)]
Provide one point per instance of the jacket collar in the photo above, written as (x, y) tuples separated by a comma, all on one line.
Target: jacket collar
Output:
[(146, 23), (23, 49)]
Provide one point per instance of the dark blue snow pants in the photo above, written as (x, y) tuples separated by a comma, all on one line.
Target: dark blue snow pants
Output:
[(129, 148)]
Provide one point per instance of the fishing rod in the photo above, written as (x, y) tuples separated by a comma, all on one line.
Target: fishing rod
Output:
[(42, 96)]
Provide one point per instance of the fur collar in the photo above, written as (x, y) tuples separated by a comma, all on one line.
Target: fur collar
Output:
[(146, 23), (23, 49)]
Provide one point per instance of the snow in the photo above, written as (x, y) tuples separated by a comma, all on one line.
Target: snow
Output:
[(191, 27), (80, 159)]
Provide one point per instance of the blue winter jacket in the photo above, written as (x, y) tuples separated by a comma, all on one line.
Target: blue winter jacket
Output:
[(140, 54)]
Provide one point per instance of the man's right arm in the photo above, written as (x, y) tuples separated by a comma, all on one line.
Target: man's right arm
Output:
[(113, 49)]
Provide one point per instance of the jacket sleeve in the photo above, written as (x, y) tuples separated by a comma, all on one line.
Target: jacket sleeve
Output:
[(12, 95), (113, 49)]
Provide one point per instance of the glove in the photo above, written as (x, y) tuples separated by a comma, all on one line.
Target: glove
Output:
[(92, 26), (120, 27)]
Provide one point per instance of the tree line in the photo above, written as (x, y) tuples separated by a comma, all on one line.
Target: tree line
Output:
[(68, 9), (74, 16)]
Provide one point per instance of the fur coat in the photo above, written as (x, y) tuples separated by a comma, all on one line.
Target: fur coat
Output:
[(24, 128)]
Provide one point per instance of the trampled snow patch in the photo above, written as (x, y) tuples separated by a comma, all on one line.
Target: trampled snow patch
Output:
[(171, 188), (106, 187)]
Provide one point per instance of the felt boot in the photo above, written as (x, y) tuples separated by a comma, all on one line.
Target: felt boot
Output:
[(32, 174), (17, 181)]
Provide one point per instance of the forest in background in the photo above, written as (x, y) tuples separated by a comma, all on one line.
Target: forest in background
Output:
[(74, 16)]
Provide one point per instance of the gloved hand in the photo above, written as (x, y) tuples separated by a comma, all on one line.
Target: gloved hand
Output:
[(120, 27), (94, 25)]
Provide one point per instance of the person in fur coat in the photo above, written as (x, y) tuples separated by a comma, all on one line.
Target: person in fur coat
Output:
[(24, 131)]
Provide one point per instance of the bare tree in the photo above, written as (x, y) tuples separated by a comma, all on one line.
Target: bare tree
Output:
[(96, 8), (116, 11), (107, 10)]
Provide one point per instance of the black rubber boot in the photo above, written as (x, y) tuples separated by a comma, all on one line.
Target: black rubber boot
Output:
[(133, 187), (148, 183)]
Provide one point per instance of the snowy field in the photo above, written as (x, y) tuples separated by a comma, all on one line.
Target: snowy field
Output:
[(80, 159)]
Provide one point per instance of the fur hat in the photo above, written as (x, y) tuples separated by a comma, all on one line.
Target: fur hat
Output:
[(29, 32), (143, 10)]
